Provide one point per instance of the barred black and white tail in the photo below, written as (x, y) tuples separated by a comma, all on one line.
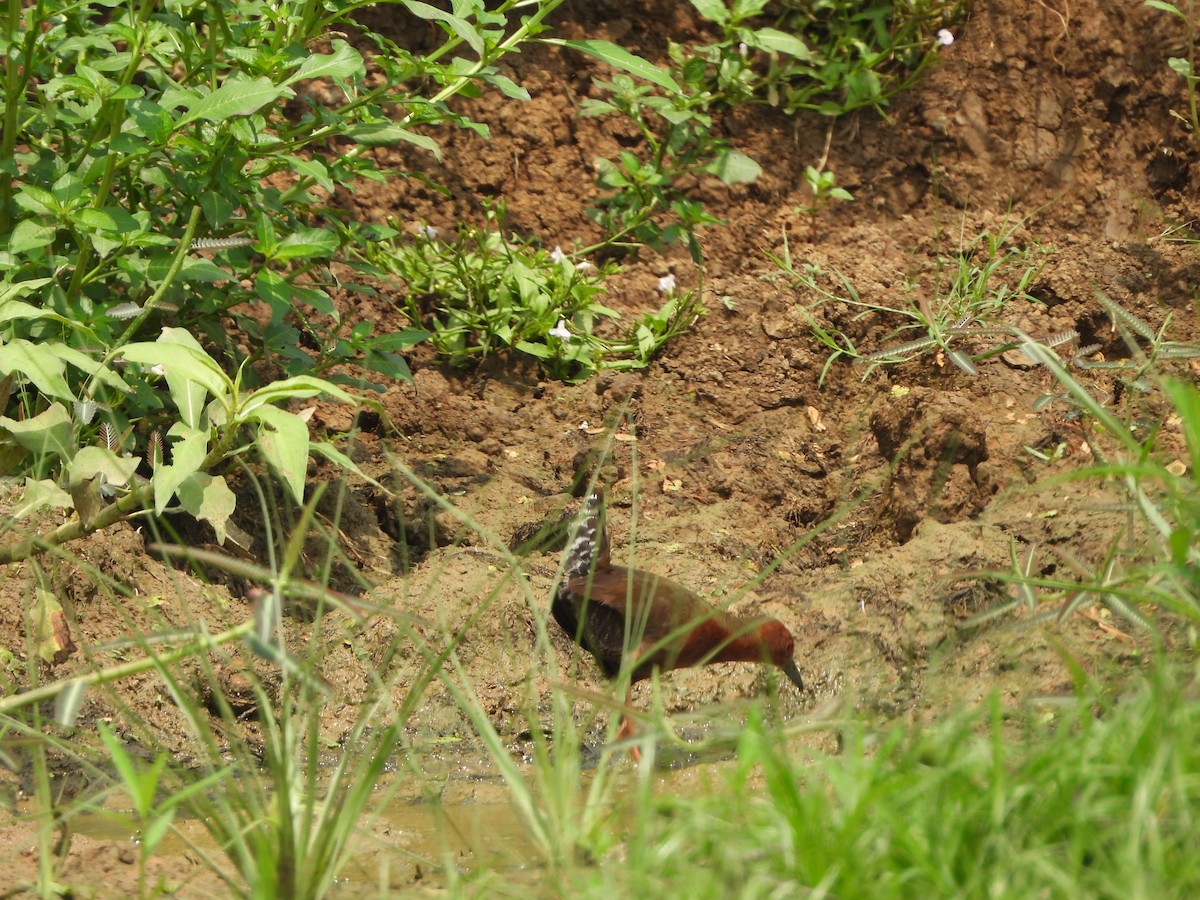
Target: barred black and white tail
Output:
[(588, 545)]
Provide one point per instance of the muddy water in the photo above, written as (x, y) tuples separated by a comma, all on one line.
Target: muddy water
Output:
[(410, 843)]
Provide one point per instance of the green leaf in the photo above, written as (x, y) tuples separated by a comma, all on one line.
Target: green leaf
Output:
[(1181, 66), (39, 495), (713, 10), (304, 243), (338, 458), (458, 26), (37, 363), (296, 387), (30, 235), (50, 431), (541, 351), (154, 121), (343, 63), (209, 498), (734, 167), (233, 98), (776, 41), (190, 372), (620, 58), (382, 135), (92, 367), (507, 86), (1165, 7), (15, 309), (19, 288), (92, 461), (187, 454), (284, 445)]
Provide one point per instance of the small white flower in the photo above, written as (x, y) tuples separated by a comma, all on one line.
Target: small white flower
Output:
[(560, 331), (158, 369), (945, 37), (583, 426), (427, 231), (584, 266), (742, 48), (666, 284), (558, 256)]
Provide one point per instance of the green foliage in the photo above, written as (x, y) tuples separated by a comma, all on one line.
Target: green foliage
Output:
[(1154, 559), (644, 200), (823, 184), (1184, 66), (483, 291), (166, 169), (212, 417), (970, 292), (992, 802), (832, 56)]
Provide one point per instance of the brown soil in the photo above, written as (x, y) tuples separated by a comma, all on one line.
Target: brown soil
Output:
[(1051, 120)]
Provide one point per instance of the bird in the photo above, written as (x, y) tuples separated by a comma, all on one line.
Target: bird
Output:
[(612, 610)]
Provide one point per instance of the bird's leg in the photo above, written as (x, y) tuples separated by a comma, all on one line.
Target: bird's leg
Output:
[(625, 731)]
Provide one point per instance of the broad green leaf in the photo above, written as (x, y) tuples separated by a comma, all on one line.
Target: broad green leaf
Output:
[(507, 86), (92, 461), (296, 387), (734, 167), (460, 27), (36, 200), (342, 63), (620, 58), (92, 367), (40, 495), (780, 42), (314, 169), (39, 364), (30, 235), (153, 121), (233, 98), (382, 135), (209, 498), (713, 10), (15, 309), (187, 454), (541, 351), (283, 443), (307, 242), (190, 372), (20, 288), (50, 431)]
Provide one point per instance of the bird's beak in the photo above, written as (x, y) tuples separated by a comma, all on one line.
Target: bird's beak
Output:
[(793, 674)]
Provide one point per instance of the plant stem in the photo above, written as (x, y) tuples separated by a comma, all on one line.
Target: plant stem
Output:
[(202, 644)]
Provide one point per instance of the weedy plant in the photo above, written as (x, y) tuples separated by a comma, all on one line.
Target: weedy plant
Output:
[(281, 804), (139, 139), (1184, 66), (832, 56), (969, 293), (1153, 558), (823, 184), (483, 291)]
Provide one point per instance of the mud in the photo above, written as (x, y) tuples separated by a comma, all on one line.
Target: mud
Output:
[(744, 475)]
